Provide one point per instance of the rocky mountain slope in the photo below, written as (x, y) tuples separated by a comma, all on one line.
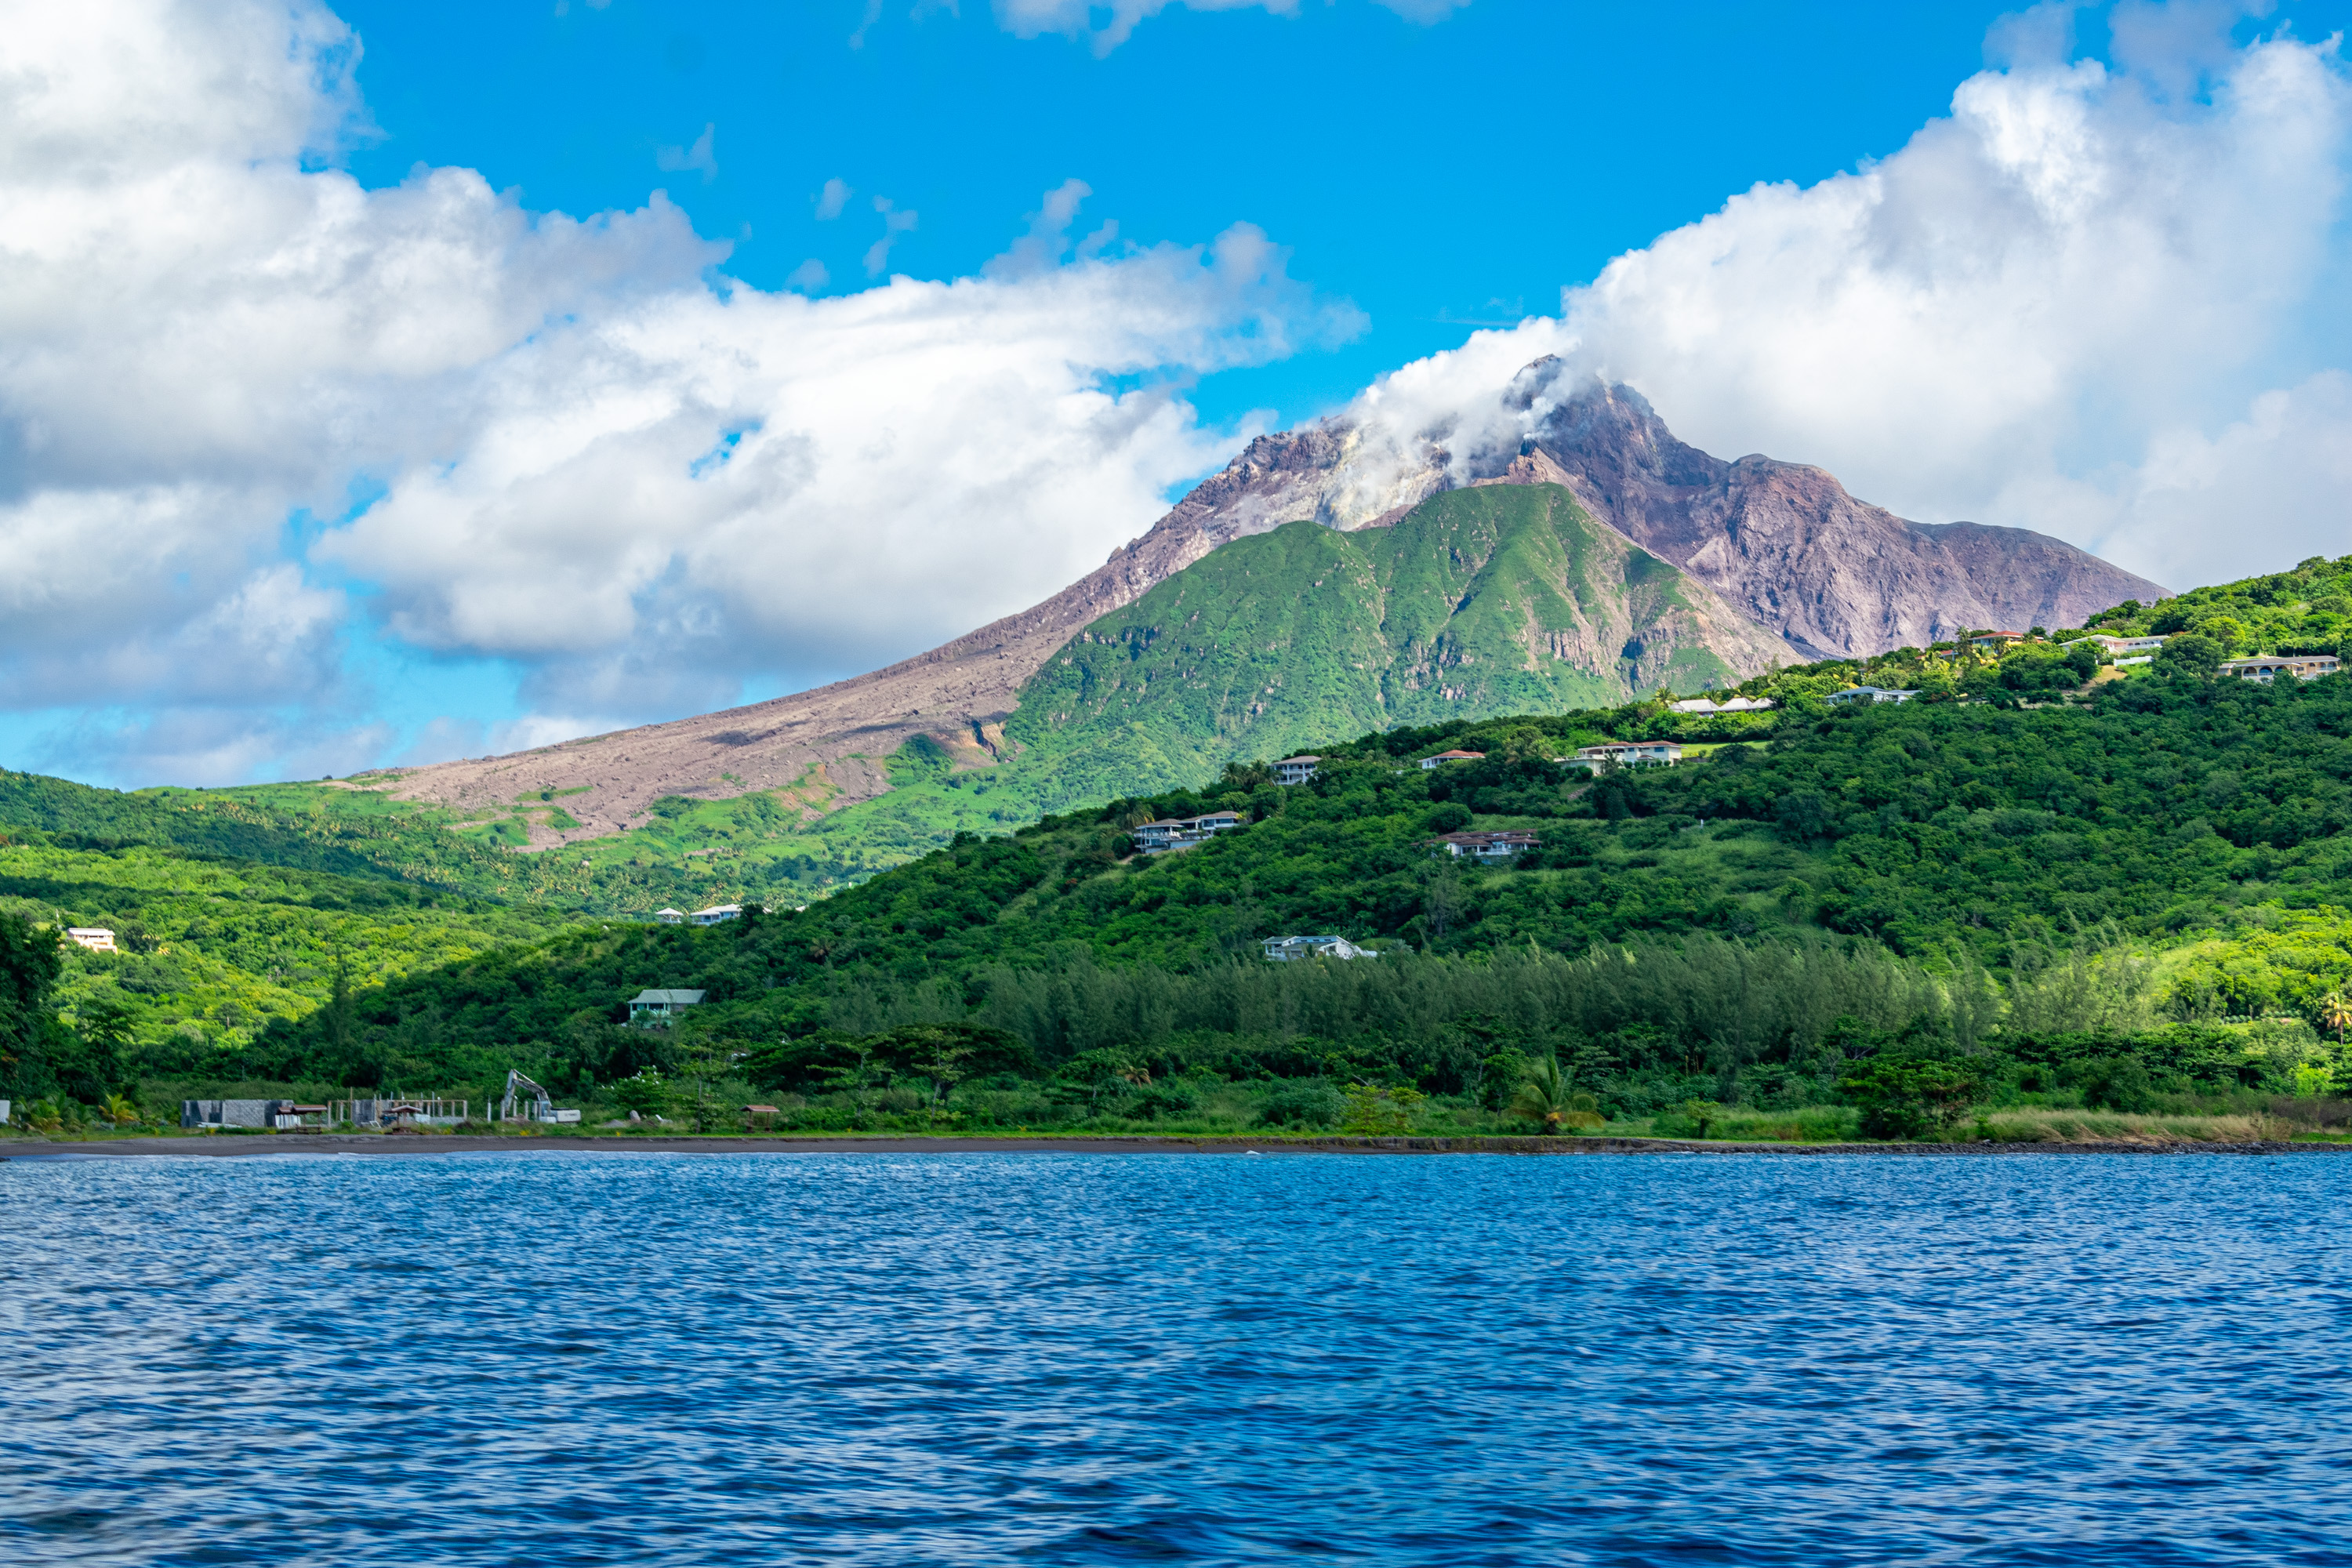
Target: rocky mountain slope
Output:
[(1779, 543)]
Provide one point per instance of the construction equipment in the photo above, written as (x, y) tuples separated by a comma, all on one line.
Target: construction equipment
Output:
[(542, 1105)]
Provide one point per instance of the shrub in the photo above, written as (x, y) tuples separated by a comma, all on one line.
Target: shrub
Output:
[(1303, 1103), (1904, 1095), (2115, 1083)]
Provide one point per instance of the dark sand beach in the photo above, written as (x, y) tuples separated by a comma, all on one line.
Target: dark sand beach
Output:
[(399, 1146)]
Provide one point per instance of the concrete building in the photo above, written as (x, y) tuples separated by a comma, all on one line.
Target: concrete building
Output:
[(2269, 667), (1290, 948), (1869, 694), (670, 917), (97, 939), (1295, 770), (1429, 762), (714, 914), (658, 1009), (258, 1115)]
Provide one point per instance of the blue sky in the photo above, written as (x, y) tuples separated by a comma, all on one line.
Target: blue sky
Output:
[(439, 379), (1436, 175)]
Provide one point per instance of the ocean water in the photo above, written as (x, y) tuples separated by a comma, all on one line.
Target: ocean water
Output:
[(558, 1358)]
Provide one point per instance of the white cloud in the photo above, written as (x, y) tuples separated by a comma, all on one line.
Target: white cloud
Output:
[(687, 159), (1075, 18), (2016, 317), (591, 455), (894, 224), (658, 501), (832, 199)]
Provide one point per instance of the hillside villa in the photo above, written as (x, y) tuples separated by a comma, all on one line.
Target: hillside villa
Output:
[(1485, 846), (2301, 666), (1295, 770), (2119, 645), (1728, 705), (1870, 694), (1625, 754), (658, 1009), (714, 914), (97, 939), (1290, 948), (1429, 762), (1183, 832)]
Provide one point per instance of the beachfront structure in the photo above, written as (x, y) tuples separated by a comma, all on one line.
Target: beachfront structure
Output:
[(2269, 667), (670, 917), (1870, 694), (1484, 846), (400, 1110), (1429, 762), (257, 1115), (714, 914), (1625, 754), (1295, 770), (97, 939), (1291, 948), (1728, 705), (658, 1009)]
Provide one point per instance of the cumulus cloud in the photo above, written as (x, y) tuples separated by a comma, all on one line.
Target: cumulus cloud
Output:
[(658, 500), (244, 399), (1075, 18), (2022, 316), (832, 199)]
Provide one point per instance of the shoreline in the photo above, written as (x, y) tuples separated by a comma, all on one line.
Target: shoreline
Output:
[(399, 1146)]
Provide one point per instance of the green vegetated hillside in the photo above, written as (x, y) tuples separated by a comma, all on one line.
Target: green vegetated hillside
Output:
[(213, 950), (1497, 599), (2031, 900)]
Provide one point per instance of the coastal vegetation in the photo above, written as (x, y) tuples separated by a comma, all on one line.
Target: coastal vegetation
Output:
[(2047, 894)]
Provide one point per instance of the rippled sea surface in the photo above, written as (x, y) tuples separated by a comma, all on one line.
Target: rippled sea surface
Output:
[(1069, 1358)]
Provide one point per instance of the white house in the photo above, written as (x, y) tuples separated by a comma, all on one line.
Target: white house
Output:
[(1295, 770), (1728, 705), (656, 1008), (1289, 948), (714, 914), (1869, 694), (2301, 666), (1485, 846), (97, 939), (1429, 762), (2116, 644), (1626, 754), (670, 917)]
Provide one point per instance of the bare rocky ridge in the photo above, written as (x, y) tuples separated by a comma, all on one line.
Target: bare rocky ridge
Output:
[(1781, 543), (1836, 576)]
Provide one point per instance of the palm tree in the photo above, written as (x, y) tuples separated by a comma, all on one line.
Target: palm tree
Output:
[(1544, 1097), (119, 1110), (2336, 1013)]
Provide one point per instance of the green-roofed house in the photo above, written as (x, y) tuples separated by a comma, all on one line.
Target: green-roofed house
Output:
[(657, 1009)]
